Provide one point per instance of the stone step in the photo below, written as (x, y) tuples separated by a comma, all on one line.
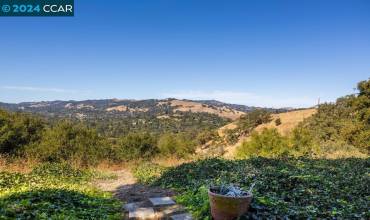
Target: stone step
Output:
[(183, 216), (156, 208), (161, 201), (167, 212), (132, 206), (142, 214)]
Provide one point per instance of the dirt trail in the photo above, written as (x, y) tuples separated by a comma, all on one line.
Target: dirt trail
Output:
[(126, 188), (137, 198), (124, 177)]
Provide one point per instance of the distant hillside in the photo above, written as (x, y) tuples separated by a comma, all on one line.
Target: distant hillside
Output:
[(289, 120), (120, 116), (129, 108), (242, 108), (223, 111)]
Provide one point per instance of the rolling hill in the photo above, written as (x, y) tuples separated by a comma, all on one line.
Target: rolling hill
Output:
[(289, 120), (130, 108), (116, 117)]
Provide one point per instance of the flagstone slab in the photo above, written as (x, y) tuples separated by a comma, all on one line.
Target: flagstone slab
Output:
[(162, 201), (167, 211), (132, 206), (184, 216), (142, 213)]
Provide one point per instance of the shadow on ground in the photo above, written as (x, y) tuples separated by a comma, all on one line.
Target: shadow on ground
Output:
[(57, 204), (138, 192)]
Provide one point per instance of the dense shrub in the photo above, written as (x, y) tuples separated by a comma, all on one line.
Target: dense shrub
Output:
[(205, 136), (232, 136), (268, 143), (178, 145), (254, 118), (336, 129), (278, 122), (137, 145), (347, 121), (245, 125), (18, 130), (302, 143), (67, 141)]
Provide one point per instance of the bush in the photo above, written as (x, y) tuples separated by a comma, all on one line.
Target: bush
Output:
[(278, 122), (347, 121), (302, 143), (205, 136), (137, 145), (269, 143), (252, 119), (17, 130), (178, 145), (231, 136), (70, 142)]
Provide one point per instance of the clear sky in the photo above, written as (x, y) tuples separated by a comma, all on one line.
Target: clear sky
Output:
[(261, 52)]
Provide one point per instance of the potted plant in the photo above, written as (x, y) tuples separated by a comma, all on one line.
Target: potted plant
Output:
[(229, 202)]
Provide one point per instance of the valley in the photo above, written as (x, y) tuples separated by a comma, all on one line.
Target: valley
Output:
[(109, 154)]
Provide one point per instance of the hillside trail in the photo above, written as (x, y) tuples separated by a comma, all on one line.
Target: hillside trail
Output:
[(142, 201)]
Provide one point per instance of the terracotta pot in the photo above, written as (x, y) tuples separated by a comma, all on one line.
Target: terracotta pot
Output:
[(226, 207)]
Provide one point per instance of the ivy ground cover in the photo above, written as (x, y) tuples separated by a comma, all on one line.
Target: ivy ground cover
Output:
[(54, 191), (285, 188)]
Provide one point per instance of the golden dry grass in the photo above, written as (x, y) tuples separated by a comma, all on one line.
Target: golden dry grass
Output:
[(21, 165), (289, 120), (185, 106), (231, 126), (338, 152), (120, 108)]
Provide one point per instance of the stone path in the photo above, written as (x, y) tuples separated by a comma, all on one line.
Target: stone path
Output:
[(156, 208), (142, 201)]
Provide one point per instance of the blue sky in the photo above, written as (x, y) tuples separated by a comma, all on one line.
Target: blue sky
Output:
[(262, 52)]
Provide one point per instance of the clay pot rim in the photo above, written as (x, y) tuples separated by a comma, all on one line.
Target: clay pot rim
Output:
[(249, 195)]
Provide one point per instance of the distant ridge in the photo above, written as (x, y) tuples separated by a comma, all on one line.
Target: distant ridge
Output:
[(129, 107)]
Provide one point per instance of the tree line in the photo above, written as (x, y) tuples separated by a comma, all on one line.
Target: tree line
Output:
[(30, 136)]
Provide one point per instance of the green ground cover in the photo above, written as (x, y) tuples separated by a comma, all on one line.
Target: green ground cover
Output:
[(54, 191), (285, 189)]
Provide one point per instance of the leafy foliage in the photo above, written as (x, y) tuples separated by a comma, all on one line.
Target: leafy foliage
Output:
[(137, 145), (205, 136), (148, 172), (278, 122), (140, 116), (196, 201), (176, 144), (18, 130), (245, 125), (335, 128), (286, 188), (268, 143), (54, 191), (61, 171), (254, 118), (346, 122), (69, 142)]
